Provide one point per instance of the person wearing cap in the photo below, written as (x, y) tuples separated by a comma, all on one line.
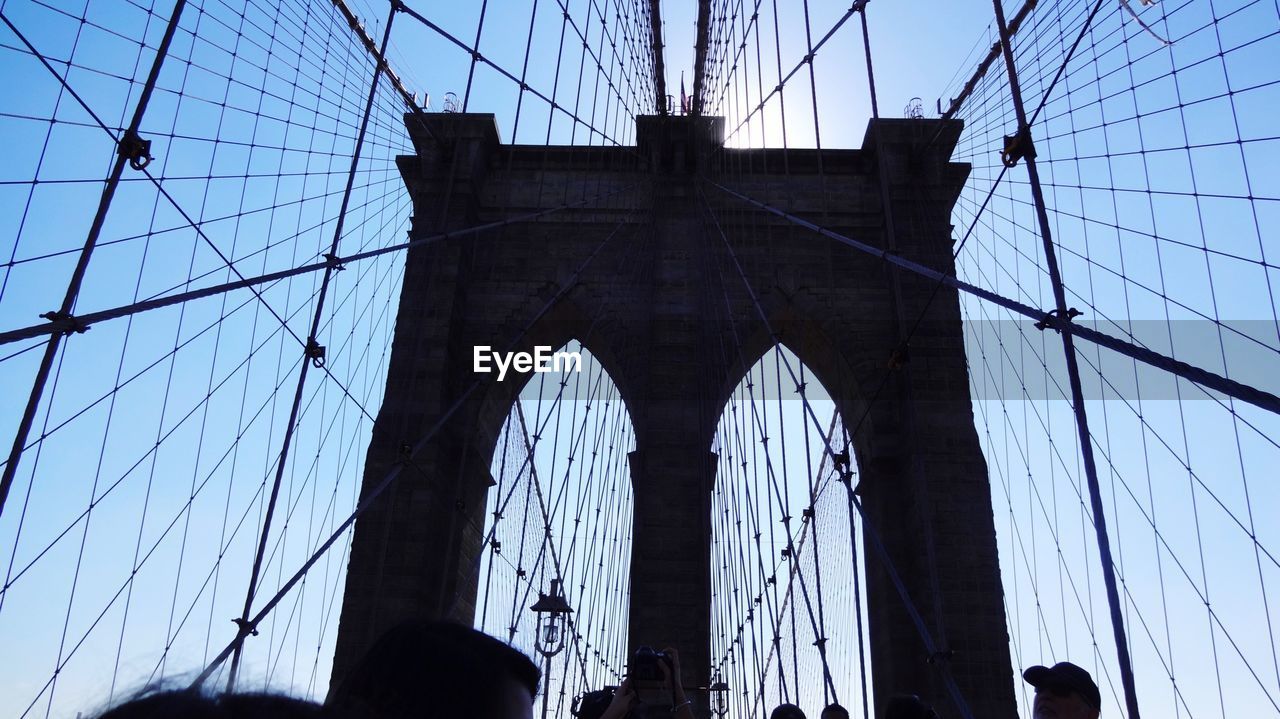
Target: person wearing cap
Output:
[(1063, 691)]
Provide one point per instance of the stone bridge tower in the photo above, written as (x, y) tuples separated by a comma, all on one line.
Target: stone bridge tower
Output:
[(642, 278)]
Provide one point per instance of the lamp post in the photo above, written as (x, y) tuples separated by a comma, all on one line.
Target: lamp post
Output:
[(718, 691), (548, 638)]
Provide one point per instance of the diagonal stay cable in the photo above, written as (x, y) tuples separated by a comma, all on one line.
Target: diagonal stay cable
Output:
[(127, 151), (501, 70), (86, 320), (1048, 320), (372, 495), (124, 154), (803, 61), (143, 370), (926, 636), (312, 350)]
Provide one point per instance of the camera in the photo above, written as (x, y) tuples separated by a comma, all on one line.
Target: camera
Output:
[(645, 665), (650, 683), (592, 705)]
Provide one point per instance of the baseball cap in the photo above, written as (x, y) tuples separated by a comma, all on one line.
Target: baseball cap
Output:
[(1065, 675)]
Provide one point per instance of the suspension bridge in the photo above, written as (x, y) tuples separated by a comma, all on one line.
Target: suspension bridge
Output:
[(861, 394)]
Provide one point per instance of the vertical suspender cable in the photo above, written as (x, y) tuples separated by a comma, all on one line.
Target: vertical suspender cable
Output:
[(948, 679), (314, 354), (1073, 373), (475, 56), (871, 74), (132, 150), (916, 475), (846, 478)]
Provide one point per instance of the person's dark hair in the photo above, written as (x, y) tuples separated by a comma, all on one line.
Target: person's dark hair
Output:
[(190, 704), (786, 711), (834, 711), (420, 670)]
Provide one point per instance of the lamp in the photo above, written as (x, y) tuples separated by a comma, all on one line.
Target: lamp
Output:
[(719, 689), (551, 610), (548, 639)]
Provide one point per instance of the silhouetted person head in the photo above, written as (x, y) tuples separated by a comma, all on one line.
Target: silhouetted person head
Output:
[(430, 670), (786, 711), (189, 704), (908, 706), (1063, 691), (834, 711)]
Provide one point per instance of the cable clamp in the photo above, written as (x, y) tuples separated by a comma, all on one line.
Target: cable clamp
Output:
[(315, 353), (841, 461), (1068, 315), (333, 262), (1017, 146), (135, 149), (247, 628), (71, 322)]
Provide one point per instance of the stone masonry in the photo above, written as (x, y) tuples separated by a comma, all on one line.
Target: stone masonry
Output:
[(643, 278)]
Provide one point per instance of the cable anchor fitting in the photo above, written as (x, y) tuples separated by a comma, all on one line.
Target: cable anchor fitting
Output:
[(315, 353), (71, 322), (1067, 315), (135, 149), (1017, 147), (246, 628)]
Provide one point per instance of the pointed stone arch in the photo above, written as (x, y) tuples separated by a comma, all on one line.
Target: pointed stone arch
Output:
[(642, 276)]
